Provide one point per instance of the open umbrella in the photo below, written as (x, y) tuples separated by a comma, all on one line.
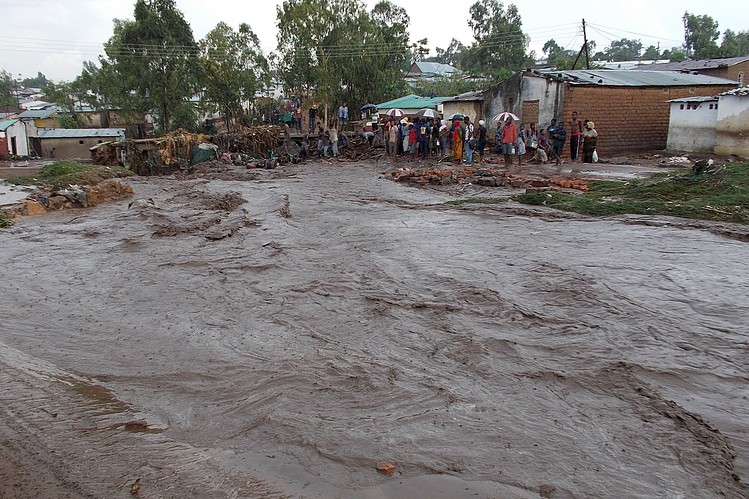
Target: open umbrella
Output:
[(503, 116), (395, 112), (456, 116), (427, 113), (367, 107)]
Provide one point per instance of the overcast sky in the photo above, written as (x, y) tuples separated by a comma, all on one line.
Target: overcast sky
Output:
[(56, 36)]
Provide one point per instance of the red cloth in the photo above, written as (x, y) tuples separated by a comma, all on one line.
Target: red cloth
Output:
[(509, 134)]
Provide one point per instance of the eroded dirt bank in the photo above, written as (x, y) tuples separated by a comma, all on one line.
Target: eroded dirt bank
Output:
[(283, 346)]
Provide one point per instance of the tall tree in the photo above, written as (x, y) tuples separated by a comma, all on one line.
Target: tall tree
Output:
[(623, 50), (700, 35), (7, 91), (651, 53), (499, 41), (233, 69), (452, 55), (339, 50), (734, 44), (152, 61)]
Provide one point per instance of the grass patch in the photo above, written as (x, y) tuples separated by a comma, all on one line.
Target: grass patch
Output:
[(63, 173), (5, 222), (721, 197), (458, 202)]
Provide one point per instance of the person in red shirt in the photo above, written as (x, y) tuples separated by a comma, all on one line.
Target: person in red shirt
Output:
[(412, 141), (509, 136), (576, 133)]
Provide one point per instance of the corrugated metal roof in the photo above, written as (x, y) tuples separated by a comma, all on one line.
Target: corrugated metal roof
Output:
[(5, 124), (741, 91), (696, 99), (697, 65), (634, 78), (467, 97), (435, 68), (38, 114), (59, 133), (412, 102)]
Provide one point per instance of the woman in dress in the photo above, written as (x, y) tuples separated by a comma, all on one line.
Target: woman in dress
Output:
[(590, 137), (458, 142)]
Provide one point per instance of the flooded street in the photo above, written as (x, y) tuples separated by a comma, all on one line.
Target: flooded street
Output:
[(283, 346)]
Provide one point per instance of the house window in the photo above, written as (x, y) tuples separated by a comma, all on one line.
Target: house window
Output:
[(741, 78), (716, 105), (711, 106), (80, 142), (681, 106)]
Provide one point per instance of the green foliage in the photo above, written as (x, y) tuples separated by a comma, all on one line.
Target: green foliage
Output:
[(7, 91), (700, 35), (651, 53), (151, 62), (721, 197), (185, 116), (38, 82), (734, 44), (452, 55), (66, 172), (233, 69), (499, 42), (67, 121), (5, 222), (342, 51), (623, 50)]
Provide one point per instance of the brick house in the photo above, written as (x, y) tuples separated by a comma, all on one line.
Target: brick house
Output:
[(629, 107), (730, 68)]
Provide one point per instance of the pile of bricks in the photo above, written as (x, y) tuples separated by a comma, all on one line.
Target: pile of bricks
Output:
[(486, 177)]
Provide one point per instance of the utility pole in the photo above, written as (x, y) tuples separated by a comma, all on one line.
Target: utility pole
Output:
[(584, 48), (585, 41)]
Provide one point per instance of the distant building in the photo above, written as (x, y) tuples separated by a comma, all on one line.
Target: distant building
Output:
[(411, 104), (730, 68), (469, 104), (13, 138), (691, 125), (430, 70), (718, 123), (71, 143)]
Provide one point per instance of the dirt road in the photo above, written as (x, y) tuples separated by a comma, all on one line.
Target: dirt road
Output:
[(283, 346)]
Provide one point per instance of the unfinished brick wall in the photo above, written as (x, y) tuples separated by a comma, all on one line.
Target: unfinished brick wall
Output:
[(629, 118)]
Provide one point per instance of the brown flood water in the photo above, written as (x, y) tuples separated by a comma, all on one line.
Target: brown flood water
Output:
[(284, 346)]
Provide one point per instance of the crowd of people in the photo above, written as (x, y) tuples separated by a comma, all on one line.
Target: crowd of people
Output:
[(419, 138)]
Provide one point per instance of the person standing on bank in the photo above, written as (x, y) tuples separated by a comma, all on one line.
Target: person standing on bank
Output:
[(576, 133), (334, 140), (590, 138), (482, 139), (520, 149), (509, 136), (312, 117), (467, 136), (343, 115)]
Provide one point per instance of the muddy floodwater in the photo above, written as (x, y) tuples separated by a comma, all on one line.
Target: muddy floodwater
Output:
[(281, 333)]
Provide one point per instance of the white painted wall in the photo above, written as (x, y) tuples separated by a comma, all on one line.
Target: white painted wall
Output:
[(545, 91), (733, 125), (17, 131), (692, 130)]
